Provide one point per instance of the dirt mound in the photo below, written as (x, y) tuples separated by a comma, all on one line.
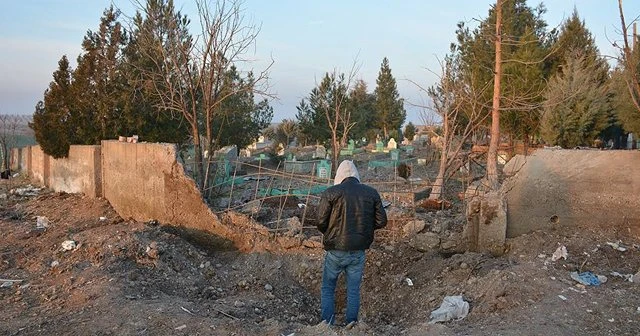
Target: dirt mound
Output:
[(593, 187)]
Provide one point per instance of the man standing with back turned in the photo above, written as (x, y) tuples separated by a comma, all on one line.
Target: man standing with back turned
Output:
[(348, 214)]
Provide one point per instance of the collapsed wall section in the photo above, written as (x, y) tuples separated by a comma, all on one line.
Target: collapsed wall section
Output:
[(144, 181)]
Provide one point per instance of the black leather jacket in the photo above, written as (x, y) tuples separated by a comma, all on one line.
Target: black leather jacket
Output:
[(348, 214)]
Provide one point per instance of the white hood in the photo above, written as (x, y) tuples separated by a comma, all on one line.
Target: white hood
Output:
[(346, 169)]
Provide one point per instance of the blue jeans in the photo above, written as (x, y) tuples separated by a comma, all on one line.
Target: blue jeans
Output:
[(335, 262)]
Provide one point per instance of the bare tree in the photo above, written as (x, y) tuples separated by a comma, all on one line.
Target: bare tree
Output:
[(8, 130), (188, 72), (630, 60), (460, 107), (336, 109)]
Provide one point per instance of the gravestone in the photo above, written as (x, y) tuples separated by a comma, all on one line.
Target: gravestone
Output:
[(324, 169), (392, 144)]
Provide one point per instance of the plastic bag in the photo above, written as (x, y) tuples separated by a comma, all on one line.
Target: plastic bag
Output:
[(452, 308)]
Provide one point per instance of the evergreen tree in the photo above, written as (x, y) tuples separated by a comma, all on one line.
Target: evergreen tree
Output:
[(525, 43), (576, 104), (409, 131), (625, 111), (363, 112), (98, 83), (574, 35), (315, 110), (50, 119), (390, 113), (239, 119)]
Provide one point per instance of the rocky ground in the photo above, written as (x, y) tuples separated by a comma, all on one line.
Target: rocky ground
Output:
[(129, 278)]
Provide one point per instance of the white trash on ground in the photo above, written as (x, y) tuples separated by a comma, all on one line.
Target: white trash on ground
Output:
[(42, 222), (561, 252), (68, 245), (617, 246), (452, 308)]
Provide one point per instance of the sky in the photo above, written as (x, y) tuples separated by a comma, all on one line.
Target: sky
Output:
[(305, 39)]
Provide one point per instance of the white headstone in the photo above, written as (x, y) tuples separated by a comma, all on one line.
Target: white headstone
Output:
[(392, 144)]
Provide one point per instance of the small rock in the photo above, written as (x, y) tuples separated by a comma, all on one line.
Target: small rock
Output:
[(413, 227), (449, 244), (218, 265), (257, 310), (268, 287), (312, 243), (55, 263), (181, 327), (464, 265), (270, 295), (378, 263), (238, 304), (293, 225), (207, 264)]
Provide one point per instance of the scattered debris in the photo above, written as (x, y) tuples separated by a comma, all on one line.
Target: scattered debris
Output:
[(626, 277), (385, 203), (187, 311), (617, 246), (27, 191), (181, 327), (68, 245), (42, 222), (6, 283), (152, 250), (562, 297), (588, 278), (561, 252), (55, 263), (431, 204), (409, 282), (301, 205), (102, 218), (452, 308)]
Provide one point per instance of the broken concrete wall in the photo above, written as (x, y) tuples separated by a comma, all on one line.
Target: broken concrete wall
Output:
[(580, 187), (144, 181), (80, 172), (39, 166)]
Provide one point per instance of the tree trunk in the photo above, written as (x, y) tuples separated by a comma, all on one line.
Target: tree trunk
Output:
[(198, 165), (492, 156), (438, 186)]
